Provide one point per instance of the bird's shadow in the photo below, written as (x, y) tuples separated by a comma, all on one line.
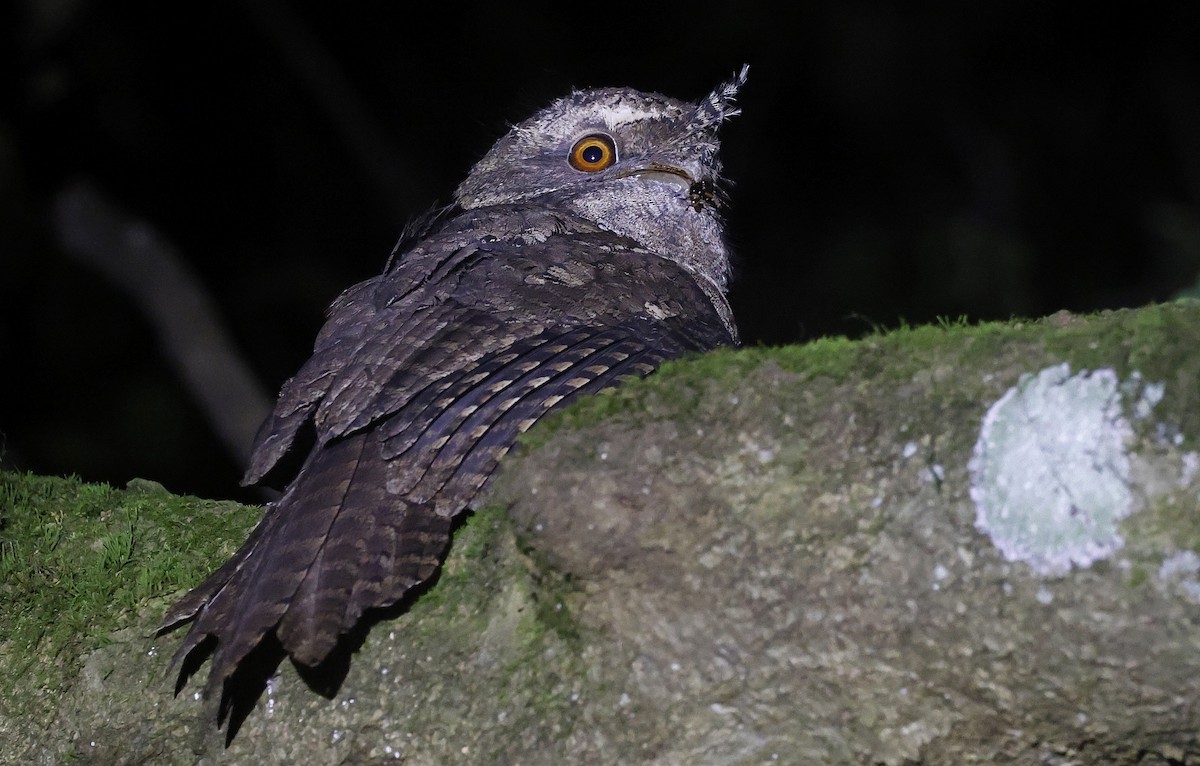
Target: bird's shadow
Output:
[(245, 686)]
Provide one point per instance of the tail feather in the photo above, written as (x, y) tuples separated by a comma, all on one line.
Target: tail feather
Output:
[(338, 543), (312, 623), (245, 599), (410, 546), (377, 547), (278, 569)]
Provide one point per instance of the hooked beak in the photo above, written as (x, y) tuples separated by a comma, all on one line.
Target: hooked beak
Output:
[(700, 194), (664, 173)]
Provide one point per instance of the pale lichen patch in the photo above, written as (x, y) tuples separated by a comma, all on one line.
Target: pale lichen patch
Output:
[(1182, 570), (1050, 473)]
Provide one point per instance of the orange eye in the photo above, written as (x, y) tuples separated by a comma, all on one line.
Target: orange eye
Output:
[(593, 153)]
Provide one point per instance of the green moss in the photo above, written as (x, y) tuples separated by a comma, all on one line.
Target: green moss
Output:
[(487, 603), (471, 570), (80, 561), (1169, 524), (1138, 574), (469, 565), (953, 323), (552, 596)]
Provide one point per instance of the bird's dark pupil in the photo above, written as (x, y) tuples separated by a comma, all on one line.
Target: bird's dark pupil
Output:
[(593, 154)]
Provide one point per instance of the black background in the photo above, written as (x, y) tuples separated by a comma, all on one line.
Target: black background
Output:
[(988, 159)]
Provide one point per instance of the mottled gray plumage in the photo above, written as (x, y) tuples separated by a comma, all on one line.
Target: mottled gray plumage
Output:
[(555, 274)]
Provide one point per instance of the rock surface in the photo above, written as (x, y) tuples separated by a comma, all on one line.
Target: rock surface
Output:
[(773, 556)]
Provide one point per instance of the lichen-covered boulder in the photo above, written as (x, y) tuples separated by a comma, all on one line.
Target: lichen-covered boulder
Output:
[(943, 545)]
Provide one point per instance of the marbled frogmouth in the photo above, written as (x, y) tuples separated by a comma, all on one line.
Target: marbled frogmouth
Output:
[(585, 247)]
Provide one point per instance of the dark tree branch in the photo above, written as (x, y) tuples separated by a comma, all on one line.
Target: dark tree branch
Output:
[(137, 259)]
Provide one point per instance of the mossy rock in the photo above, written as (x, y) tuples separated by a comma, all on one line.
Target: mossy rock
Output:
[(755, 556)]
